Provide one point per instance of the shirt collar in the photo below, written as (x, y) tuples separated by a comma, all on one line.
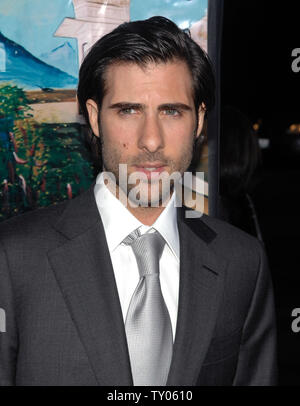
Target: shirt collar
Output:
[(118, 222)]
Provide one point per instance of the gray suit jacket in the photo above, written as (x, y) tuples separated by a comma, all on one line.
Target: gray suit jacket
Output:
[(64, 324)]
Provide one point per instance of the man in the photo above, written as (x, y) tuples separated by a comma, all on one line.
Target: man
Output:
[(101, 290)]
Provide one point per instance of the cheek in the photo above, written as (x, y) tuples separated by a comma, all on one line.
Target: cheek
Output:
[(179, 128), (180, 140), (118, 133), (115, 147)]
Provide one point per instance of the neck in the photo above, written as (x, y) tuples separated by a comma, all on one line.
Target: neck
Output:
[(146, 215)]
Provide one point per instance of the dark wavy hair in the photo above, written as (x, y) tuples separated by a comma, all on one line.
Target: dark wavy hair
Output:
[(156, 40)]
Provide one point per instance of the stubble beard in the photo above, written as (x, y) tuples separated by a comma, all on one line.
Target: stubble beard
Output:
[(112, 158)]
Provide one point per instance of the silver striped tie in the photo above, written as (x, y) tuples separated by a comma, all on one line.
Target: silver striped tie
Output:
[(148, 325)]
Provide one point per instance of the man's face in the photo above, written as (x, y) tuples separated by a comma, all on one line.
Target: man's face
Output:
[(148, 121)]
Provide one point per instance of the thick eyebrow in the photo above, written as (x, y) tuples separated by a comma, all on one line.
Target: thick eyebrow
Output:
[(174, 106), (127, 105), (140, 106)]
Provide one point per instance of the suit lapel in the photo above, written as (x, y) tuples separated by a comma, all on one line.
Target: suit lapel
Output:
[(201, 282), (84, 272)]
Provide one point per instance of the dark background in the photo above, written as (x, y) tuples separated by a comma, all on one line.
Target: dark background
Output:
[(257, 78)]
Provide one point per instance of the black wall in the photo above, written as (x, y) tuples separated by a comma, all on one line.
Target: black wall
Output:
[(257, 78), (258, 40)]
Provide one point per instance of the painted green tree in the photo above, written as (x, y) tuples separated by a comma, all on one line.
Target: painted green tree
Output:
[(13, 106), (40, 164)]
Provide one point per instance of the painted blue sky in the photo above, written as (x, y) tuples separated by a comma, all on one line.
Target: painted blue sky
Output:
[(182, 12), (31, 23)]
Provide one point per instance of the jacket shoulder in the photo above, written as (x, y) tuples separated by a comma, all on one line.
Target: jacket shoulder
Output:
[(231, 241), (32, 224)]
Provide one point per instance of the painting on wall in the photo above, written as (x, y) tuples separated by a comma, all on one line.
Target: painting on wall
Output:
[(44, 157)]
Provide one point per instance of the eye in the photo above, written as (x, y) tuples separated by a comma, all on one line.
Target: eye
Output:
[(172, 112), (127, 111)]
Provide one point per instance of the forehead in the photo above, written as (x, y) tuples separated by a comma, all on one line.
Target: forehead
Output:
[(171, 81)]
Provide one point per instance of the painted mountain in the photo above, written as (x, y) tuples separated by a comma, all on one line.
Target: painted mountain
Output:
[(29, 72), (61, 57)]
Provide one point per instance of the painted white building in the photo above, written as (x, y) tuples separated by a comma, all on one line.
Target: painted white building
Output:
[(199, 32), (93, 19), (2, 58)]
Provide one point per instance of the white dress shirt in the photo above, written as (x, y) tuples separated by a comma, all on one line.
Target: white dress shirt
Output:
[(118, 223)]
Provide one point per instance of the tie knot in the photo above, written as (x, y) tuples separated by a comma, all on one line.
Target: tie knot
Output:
[(147, 249)]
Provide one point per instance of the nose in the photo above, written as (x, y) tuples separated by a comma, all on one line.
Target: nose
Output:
[(151, 136)]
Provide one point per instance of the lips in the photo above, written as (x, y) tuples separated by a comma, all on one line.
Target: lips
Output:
[(151, 169)]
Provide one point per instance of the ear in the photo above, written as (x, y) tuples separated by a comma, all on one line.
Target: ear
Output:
[(93, 111), (201, 116)]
